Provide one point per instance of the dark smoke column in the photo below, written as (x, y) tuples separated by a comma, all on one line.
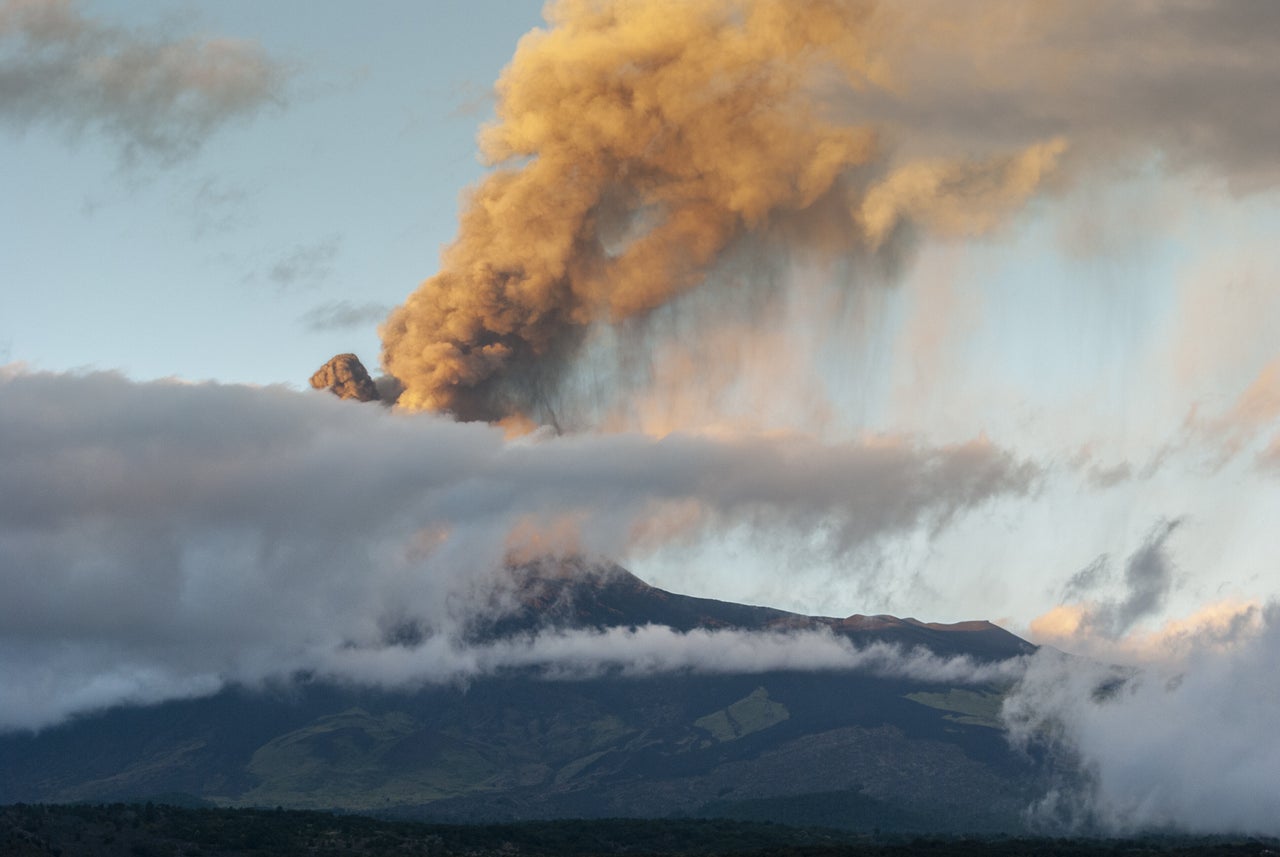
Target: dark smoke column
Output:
[(346, 377)]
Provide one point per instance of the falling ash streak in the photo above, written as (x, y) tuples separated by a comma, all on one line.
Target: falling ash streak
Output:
[(636, 145)]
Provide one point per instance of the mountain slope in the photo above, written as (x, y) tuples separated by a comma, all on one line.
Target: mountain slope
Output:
[(829, 747), (577, 594)]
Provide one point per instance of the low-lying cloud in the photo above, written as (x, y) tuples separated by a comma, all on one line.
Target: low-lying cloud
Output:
[(1186, 742), (652, 650), (161, 539)]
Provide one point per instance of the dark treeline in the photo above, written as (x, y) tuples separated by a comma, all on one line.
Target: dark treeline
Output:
[(163, 830)]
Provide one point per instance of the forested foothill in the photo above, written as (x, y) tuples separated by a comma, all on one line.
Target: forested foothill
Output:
[(162, 830)]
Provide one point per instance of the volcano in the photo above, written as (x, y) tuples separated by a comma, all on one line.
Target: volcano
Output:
[(575, 593), (831, 747)]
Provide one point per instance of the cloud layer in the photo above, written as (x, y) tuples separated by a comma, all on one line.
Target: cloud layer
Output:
[(162, 538)]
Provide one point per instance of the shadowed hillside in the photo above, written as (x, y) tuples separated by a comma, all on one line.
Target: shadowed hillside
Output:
[(830, 747)]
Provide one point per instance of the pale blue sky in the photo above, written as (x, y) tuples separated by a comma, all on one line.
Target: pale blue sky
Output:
[(346, 190)]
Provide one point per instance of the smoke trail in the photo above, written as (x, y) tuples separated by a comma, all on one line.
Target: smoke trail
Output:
[(640, 142)]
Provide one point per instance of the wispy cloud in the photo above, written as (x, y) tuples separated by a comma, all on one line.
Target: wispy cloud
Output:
[(1147, 582), (302, 266), (216, 207), (344, 315), (653, 650), (1254, 414), (158, 98)]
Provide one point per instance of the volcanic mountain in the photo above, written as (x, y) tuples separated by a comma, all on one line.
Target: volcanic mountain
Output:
[(838, 747), (575, 593)]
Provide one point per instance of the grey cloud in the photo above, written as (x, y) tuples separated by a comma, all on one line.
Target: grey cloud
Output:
[(216, 207), (157, 97), (1148, 576), (1195, 80), (305, 265), (1186, 746), (842, 495), (344, 315), (1087, 580), (162, 539), (1107, 477), (1148, 580)]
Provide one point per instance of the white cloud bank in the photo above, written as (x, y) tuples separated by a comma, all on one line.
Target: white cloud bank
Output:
[(1186, 742)]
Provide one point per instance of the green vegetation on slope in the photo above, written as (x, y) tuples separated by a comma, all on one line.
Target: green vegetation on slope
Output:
[(520, 748), (975, 708), (753, 713)]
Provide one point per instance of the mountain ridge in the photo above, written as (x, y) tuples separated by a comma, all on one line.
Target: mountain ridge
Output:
[(852, 748), (574, 593)]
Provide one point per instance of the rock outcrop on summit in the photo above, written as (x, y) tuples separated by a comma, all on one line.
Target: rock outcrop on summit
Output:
[(345, 376)]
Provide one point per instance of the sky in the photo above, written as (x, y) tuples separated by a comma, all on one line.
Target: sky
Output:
[(911, 311), (229, 249)]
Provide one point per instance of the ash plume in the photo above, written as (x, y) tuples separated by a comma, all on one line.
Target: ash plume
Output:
[(650, 155), (637, 145)]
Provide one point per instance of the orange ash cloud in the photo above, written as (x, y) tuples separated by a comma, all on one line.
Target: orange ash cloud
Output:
[(635, 144)]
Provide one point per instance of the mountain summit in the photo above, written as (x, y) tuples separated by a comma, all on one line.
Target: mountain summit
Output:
[(821, 746), (575, 593)]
